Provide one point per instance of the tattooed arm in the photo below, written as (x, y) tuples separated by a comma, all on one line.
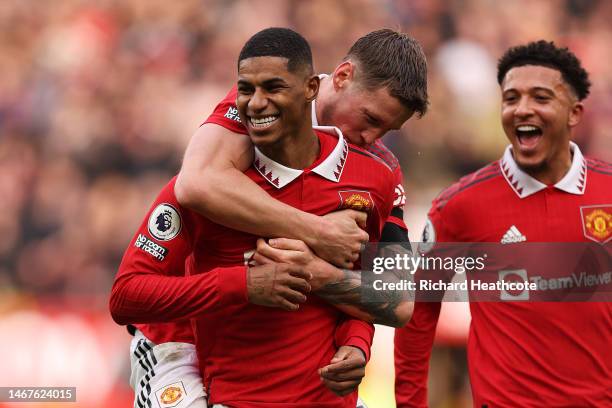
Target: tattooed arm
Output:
[(350, 291)]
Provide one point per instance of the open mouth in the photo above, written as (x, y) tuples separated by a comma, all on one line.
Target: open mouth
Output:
[(528, 135), (263, 122)]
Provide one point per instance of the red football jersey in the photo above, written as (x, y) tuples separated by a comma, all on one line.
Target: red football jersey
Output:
[(235, 338), (226, 114), (528, 354), (256, 356)]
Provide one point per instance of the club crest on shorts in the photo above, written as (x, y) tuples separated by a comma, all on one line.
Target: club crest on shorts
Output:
[(356, 200), (170, 395), (164, 222), (597, 222)]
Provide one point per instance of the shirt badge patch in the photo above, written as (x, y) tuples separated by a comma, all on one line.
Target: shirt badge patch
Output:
[(170, 395), (155, 250), (164, 222), (356, 200), (400, 196), (428, 238), (232, 114), (597, 222)]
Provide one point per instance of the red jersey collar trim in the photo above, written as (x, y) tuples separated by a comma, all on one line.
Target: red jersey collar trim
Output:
[(330, 168), (574, 182)]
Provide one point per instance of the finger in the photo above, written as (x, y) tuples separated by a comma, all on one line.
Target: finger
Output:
[(277, 255), (361, 218), (293, 296), (341, 354), (298, 284), (354, 257), (260, 243), (287, 305), (287, 243), (299, 272), (351, 375), (364, 238), (343, 365), (341, 388), (261, 259)]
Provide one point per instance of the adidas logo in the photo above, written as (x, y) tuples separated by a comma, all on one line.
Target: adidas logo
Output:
[(512, 236)]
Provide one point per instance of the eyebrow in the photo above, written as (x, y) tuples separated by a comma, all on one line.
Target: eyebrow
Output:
[(534, 89), (380, 121), (372, 116), (266, 82)]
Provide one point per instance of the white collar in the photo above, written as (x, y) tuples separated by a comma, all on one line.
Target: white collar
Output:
[(330, 168), (574, 181)]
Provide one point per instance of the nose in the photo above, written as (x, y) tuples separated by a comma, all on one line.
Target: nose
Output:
[(258, 101), (368, 137), (523, 108)]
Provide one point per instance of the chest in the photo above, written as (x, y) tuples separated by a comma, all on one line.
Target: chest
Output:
[(550, 215), (216, 245)]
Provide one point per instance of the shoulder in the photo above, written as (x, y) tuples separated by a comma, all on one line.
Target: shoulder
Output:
[(468, 185), (599, 166), (366, 157), (381, 151), (226, 113)]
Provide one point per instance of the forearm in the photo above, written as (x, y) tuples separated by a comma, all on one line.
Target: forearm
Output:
[(387, 307), (211, 182), (355, 333), (151, 298), (412, 351), (232, 199)]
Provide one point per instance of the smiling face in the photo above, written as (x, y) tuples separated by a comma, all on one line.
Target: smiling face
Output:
[(273, 102), (538, 113)]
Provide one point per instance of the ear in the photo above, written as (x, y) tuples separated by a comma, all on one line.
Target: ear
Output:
[(343, 75), (312, 88), (575, 114)]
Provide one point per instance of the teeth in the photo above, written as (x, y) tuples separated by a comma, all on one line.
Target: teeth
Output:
[(526, 128), (263, 122)]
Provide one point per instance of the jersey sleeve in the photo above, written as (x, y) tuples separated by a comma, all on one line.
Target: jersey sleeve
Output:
[(412, 351), (395, 229), (151, 285), (226, 113), (414, 342), (356, 333), (399, 200)]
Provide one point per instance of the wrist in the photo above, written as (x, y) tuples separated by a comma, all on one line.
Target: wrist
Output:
[(359, 345), (311, 229)]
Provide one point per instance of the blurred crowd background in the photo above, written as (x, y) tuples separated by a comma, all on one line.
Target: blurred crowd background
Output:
[(98, 100)]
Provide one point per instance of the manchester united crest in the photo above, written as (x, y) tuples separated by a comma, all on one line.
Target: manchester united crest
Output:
[(356, 200), (597, 222), (171, 395)]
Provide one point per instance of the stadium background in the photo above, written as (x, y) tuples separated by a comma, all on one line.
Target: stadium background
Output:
[(98, 100)]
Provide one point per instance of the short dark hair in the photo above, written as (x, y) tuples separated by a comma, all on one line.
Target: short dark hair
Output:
[(279, 42), (547, 54), (387, 58)]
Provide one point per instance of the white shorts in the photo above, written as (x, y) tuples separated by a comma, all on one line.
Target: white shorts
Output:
[(165, 375), (168, 376)]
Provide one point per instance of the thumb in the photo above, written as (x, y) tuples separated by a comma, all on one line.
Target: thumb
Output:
[(341, 354), (286, 243), (361, 218)]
